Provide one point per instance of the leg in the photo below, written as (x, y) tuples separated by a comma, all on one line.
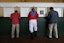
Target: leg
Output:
[(31, 29), (50, 30), (55, 29), (35, 28), (13, 30), (17, 30), (31, 26)]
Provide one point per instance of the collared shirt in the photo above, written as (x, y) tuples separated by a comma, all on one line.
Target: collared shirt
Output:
[(15, 18)]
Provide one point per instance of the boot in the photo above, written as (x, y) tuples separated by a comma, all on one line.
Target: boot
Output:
[(35, 33), (31, 35)]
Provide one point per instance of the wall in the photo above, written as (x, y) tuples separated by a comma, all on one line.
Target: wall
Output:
[(5, 22), (1, 12), (24, 8), (31, 1), (31, 4), (44, 0), (5, 26)]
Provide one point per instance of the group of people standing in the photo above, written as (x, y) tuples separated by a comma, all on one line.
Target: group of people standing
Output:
[(32, 16)]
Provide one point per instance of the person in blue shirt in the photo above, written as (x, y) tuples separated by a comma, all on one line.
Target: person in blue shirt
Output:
[(53, 20)]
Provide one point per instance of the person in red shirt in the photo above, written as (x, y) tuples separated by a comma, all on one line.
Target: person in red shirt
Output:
[(32, 16), (15, 23)]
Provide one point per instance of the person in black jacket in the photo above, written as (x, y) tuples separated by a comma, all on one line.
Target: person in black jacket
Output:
[(53, 19)]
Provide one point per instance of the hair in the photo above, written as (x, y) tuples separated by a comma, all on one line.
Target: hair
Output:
[(16, 11), (51, 8), (33, 8)]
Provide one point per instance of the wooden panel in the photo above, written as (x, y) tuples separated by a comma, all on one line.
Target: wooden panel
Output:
[(31, 0), (44, 0), (11, 0), (1, 12), (58, 0)]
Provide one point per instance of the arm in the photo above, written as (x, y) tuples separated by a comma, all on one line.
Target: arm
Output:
[(37, 14), (28, 15), (49, 15), (11, 16), (57, 14), (19, 16)]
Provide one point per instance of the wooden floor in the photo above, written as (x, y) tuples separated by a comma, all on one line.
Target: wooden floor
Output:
[(42, 39)]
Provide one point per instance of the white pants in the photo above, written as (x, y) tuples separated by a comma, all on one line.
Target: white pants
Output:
[(32, 25), (15, 26), (51, 27)]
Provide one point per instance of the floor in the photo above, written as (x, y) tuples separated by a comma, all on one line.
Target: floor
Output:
[(41, 39)]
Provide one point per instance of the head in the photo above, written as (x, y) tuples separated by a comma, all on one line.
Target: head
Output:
[(51, 8), (33, 9), (16, 11)]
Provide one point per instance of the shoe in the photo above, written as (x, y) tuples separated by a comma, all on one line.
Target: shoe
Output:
[(31, 36), (17, 36), (35, 33), (56, 37), (50, 37), (12, 37)]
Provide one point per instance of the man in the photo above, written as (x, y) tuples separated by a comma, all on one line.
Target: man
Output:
[(53, 19), (32, 16), (15, 23)]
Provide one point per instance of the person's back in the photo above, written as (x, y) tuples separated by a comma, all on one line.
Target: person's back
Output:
[(53, 19), (15, 17), (53, 16), (32, 16), (15, 23)]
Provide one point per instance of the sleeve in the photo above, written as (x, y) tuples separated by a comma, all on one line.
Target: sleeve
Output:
[(37, 14), (19, 16), (11, 16), (28, 15), (49, 15), (57, 14)]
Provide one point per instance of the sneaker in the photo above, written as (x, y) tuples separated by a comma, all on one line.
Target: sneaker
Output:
[(17, 36), (12, 37), (56, 37), (50, 36)]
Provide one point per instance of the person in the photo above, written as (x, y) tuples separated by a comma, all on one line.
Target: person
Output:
[(32, 16), (15, 23), (53, 19)]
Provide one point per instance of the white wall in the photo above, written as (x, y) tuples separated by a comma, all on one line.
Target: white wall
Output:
[(25, 7), (31, 4), (24, 12), (8, 11), (44, 14), (60, 11)]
